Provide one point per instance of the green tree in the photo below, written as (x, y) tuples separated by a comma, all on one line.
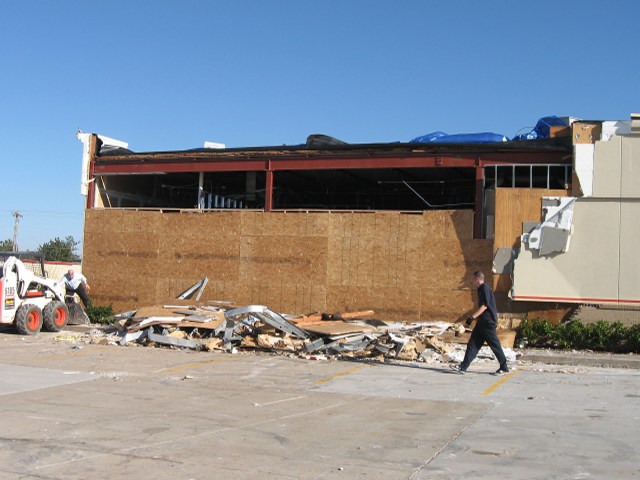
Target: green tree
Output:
[(6, 245), (58, 250)]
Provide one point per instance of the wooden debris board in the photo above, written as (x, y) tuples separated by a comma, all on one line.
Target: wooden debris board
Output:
[(337, 327), (153, 311), (317, 317), (506, 337), (201, 325), (141, 326)]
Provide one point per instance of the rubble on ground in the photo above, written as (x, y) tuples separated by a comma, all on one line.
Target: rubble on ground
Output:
[(353, 335)]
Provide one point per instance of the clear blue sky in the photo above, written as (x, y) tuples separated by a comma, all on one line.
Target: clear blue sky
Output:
[(168, 75)]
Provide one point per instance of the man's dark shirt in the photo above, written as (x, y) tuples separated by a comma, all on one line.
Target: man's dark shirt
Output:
[(485, 297)]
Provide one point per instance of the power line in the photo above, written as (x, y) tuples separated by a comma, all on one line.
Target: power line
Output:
[(44, 213), (17, 216)]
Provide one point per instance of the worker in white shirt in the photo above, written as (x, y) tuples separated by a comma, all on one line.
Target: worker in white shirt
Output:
[(76, 283)]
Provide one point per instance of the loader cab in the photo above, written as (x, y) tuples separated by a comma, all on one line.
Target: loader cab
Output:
[(9, 282), (34, 261)]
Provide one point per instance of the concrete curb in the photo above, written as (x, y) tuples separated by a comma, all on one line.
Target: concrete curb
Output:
[(584, 359)]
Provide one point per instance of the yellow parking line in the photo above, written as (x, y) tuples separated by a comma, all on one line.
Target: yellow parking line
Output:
[(338, 375), (187, 366), (497, 384)]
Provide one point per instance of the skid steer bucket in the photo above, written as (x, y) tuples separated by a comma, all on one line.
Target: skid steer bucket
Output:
[(77, 315)]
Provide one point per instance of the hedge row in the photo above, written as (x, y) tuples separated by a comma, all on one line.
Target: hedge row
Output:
[(599, 336)]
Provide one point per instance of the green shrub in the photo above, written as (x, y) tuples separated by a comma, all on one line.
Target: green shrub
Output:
[(600, 336), (100, 314), (633, 338)]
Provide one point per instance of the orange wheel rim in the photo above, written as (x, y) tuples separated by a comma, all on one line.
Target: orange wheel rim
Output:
[(33, 321), (60, 317)]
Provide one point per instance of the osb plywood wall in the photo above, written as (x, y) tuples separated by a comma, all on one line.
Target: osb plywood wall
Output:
[(403, 266), (513, 207)]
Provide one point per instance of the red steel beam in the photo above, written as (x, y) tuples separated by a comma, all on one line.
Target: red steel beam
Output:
[(268, 194), (159, 165)]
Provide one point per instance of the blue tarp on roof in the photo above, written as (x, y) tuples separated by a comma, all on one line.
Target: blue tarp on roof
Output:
[(543, 128), (441, 137)]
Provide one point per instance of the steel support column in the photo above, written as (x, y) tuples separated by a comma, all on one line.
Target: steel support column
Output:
[(478, 211), (201, 190), (268, 192)]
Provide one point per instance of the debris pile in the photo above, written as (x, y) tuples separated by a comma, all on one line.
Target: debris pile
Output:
[(317, 336)]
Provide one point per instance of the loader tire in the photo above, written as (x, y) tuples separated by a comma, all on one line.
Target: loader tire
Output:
[(55, 316), (28, 319)]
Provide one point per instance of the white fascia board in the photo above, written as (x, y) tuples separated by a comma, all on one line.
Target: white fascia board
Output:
[(84, 176), (84, 138)]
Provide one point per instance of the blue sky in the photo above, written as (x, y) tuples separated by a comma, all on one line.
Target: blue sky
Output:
[(168, 75)]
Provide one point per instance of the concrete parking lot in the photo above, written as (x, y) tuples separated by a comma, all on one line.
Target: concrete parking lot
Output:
[(75, 411)]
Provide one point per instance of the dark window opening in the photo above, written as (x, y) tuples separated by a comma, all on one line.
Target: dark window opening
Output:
[(558, 177), (528, 176), (372, 189), (348, 189), (184, 190)]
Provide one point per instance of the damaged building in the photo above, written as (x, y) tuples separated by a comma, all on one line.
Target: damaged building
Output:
[(398, 228)]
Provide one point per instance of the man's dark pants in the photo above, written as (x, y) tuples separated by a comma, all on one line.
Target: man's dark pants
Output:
[(483, 332), (82, 293)]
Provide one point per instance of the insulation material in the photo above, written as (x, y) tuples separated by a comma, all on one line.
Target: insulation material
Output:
[(617, 127), (554, 232), (583, 167)]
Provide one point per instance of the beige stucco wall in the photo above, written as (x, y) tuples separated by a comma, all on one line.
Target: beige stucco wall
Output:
[(602, 265)]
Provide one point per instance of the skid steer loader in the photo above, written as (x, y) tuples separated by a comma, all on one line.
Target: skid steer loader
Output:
[(30, 301)]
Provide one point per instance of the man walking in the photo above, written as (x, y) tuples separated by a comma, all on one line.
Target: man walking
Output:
[(76, 283), (485, 329)]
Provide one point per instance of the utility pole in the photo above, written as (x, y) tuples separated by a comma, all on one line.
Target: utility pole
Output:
[(17, 216)]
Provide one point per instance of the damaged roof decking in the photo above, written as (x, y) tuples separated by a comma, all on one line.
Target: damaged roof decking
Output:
[(385, 155)]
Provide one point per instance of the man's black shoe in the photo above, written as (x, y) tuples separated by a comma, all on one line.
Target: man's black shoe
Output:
[(457, 369), (501, 371)]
